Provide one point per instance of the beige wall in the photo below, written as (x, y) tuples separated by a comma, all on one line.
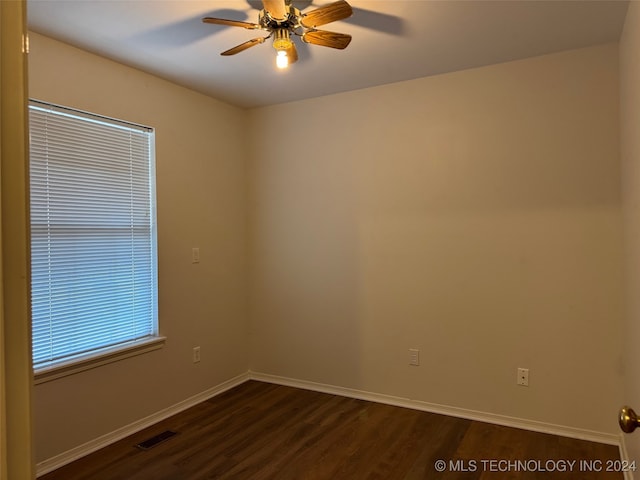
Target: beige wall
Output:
[(630, 155), (473, 215), (200, 165)]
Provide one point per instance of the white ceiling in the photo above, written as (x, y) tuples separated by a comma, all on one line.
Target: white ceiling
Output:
[(393, 40)]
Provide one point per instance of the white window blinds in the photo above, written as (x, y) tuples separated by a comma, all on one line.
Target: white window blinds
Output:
[(93, 244)]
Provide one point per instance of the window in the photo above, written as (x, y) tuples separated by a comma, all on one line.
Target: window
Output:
[(93, 239)]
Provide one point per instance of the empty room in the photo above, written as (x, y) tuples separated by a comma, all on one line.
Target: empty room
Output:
[(263, 239)]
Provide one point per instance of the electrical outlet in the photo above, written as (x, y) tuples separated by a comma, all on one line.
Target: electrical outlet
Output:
[(523, 377), (195, 255), (414, 357), (196, 354)]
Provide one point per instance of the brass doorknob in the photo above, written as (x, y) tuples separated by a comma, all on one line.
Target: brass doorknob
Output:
[(628, 419)]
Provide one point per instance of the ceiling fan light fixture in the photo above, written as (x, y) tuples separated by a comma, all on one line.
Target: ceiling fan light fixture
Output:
[(281, 40), (282, 43)]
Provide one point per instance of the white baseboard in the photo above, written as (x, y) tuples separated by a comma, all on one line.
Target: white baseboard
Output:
[(80, 451), (571, 432)]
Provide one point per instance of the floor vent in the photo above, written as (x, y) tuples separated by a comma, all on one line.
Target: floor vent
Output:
[(153, 441)]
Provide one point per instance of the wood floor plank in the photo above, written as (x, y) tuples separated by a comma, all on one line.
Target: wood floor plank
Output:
[(261, 431)]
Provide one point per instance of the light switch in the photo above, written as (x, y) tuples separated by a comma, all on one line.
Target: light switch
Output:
[(195, 255)]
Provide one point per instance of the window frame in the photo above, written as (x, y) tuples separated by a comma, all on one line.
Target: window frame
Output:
[(96, 357)]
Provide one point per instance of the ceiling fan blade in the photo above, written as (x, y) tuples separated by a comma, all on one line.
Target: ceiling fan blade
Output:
[(327, 39), (231, 23), (276, 8), (327, 14), (243, 46), (292, 54)]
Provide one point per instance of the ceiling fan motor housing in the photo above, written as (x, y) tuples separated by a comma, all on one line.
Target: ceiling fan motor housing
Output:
[(291, 22)]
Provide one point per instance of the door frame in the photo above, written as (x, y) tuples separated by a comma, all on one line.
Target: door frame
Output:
[(16, 373)]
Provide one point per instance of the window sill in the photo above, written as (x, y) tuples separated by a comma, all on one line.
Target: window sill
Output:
[(80, 364)]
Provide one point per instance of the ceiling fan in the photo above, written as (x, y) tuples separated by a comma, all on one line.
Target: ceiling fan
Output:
[(283, 22)]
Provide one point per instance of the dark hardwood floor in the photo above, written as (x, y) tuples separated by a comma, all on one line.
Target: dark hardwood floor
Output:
[(264, 431)]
